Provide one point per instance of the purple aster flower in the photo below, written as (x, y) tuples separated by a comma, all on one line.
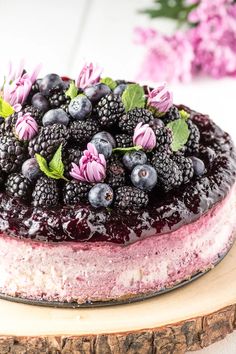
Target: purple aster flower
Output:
[(89, 75), (144, 136), (92, 166), (26, 127), (161, 99), (18, 85)]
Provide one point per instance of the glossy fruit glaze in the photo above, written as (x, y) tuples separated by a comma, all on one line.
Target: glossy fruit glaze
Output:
[(166, 212)]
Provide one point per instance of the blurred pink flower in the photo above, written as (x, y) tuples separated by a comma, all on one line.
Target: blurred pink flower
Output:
[(214, 38), (160, 98), (89, 75), (18, 84), (168, 58), (92, 166)]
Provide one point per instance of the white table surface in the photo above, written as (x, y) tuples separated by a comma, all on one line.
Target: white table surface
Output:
[(62, 34)]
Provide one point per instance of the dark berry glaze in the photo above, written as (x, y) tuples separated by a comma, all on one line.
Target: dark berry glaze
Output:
[(165, 212)]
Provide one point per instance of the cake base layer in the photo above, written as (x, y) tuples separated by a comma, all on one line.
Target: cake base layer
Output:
[(189, 318), (79, 272), (57, 304)]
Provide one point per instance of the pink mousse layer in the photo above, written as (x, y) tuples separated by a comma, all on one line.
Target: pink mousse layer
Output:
[(104, 271)]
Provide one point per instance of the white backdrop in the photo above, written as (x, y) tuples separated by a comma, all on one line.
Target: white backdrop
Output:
[(63, 33)]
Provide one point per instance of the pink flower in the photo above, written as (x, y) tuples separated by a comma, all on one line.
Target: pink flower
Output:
[(26, 127), (168, 58), (144, 136), (160, 98), (18, 84), (92, 166), (214, 38), (89, 75)]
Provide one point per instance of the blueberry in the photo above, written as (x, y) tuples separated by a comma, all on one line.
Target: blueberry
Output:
[(144, 177), (101, 195), (120, 89), (49, 83), (30, 169), (207, 154), (132, 159), (198, 166), (97, 91), (80, 107), (103, 146), (55, 116), (157, 123), (106, 136), (40, 102)]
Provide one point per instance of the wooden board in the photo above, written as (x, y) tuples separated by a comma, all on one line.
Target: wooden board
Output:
[(185, 319)]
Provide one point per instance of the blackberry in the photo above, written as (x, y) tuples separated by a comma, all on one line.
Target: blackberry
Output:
[(74, 192), (168, 174), (58, 99), (192, 145), (35, 113), (124, 140), (2, 178), (115, 173), (12, 154), (82, 131), (130, 198), (7, 127), (185, 164), (48, 140), (128, 121), (18, 186), (109, 109), (164, 139), (45, 193), (71, 155), (171, 115)]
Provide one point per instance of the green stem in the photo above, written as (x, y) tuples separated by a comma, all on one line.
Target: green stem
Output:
[(128, 149)]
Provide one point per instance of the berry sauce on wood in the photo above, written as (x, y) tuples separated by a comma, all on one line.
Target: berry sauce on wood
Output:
[(165, 212)]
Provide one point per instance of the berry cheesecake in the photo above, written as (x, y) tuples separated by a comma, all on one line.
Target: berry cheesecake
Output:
[(109, 191)]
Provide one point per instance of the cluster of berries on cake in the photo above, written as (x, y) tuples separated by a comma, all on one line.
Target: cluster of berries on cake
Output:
[(93, 140)]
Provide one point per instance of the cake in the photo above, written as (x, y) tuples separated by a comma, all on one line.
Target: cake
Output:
[(109, 191)]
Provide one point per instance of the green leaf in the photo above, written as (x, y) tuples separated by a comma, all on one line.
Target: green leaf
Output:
[(72, 91), (5, 108), (180, 133), (56, 163), (128, 149), (55, 169), (133, 97), (184, 115), (176, 10), (109, 82)]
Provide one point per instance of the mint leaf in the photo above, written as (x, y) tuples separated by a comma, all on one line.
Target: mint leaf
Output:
[(109, 82), (55, 169), (5, 108), (184, 115), (56, 163), (133, 97), (72, 91), (180, 133)]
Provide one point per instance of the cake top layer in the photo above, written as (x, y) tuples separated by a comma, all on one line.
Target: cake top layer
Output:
[(101, 160)]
